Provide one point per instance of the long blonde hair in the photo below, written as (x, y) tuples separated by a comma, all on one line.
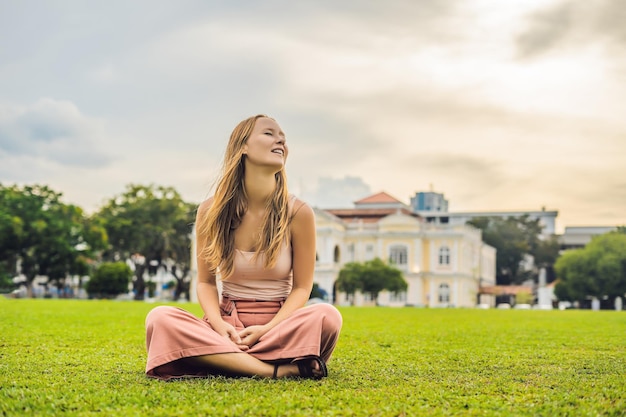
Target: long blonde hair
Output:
[(230, 202)]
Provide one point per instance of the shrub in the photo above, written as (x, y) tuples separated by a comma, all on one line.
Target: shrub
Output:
[(109, 279), (6, 282), (151, 286), (524, 298)]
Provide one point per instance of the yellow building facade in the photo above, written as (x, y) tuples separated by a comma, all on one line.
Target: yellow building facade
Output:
[(443, 265)]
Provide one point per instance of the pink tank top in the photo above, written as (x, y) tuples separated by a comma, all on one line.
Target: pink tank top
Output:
[(251, 281)]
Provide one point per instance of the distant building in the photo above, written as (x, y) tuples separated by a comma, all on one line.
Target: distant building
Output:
[(444, 265), (433, 207), (575, 237), (428, 202), (546, 218)]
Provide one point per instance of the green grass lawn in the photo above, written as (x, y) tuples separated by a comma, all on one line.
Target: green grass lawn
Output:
[(88, 357)]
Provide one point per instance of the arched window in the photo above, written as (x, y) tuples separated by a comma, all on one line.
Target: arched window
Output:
[(336, 255), (444, 293), (444, 255), (398, 255)]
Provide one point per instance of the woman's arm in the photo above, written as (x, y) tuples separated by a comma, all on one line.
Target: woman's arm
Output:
[(207, 287), (303, 248)]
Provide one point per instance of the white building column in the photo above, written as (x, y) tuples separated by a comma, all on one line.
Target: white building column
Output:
[(418, 254), (432, 295)]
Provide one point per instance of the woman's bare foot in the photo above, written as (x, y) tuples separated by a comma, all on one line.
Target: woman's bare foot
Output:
[(285, 371), (310, 367)]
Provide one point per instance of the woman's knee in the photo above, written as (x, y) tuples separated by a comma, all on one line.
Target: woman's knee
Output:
[(158, 314), (332, 316)]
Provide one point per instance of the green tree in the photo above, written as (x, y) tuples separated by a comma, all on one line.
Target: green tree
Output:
[(379, 276), (6, 281), (597, 270), (371, 277), (150, 225), (40, 235), (349, 280), (546, 253), (515, 238), (109, 280)]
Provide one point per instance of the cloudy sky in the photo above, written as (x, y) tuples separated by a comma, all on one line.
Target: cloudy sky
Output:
[(512, 105)]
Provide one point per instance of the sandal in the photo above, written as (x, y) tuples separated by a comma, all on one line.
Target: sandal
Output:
[(305, 367)]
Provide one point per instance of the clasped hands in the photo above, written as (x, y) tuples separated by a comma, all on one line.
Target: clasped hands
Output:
[(245, 338)]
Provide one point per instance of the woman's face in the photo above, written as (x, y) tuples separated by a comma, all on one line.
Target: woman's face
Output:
[(266, 145)]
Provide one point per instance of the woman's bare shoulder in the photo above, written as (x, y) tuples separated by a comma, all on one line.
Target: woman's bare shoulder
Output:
[(204, 206), (300, 209)]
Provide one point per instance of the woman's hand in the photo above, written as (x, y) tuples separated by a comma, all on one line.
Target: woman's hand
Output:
[(228, 331), (250, 335)]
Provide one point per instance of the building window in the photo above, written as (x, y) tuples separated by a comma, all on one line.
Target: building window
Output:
[(444, 294), (369, 252), (336, 256), (444, 255), (399, 297), (398, 255)]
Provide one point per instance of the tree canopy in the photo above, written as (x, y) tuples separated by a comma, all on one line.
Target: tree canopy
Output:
[(515, 239), (370, 277), (597, 270), (152, 226), (109, 279), (41, 235)]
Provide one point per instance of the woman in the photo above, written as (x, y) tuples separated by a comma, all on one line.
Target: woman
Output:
[(260, 242)]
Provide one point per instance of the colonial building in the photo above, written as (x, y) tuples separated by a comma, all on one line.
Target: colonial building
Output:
[(444, 265)]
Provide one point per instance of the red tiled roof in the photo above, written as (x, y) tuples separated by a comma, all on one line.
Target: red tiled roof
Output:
[(367, 215), (381, 197)]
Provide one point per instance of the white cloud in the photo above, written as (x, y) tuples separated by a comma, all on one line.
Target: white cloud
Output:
[(332, 192), (573, 24), (54, 131), (104, 73)]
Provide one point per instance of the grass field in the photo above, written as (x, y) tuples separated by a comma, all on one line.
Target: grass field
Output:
[(87, 358)]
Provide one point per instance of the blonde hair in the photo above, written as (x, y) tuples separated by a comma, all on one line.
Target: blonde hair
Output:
[(216, 228)]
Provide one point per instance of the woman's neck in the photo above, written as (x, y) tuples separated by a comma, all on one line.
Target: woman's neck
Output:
[(259, 188)]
